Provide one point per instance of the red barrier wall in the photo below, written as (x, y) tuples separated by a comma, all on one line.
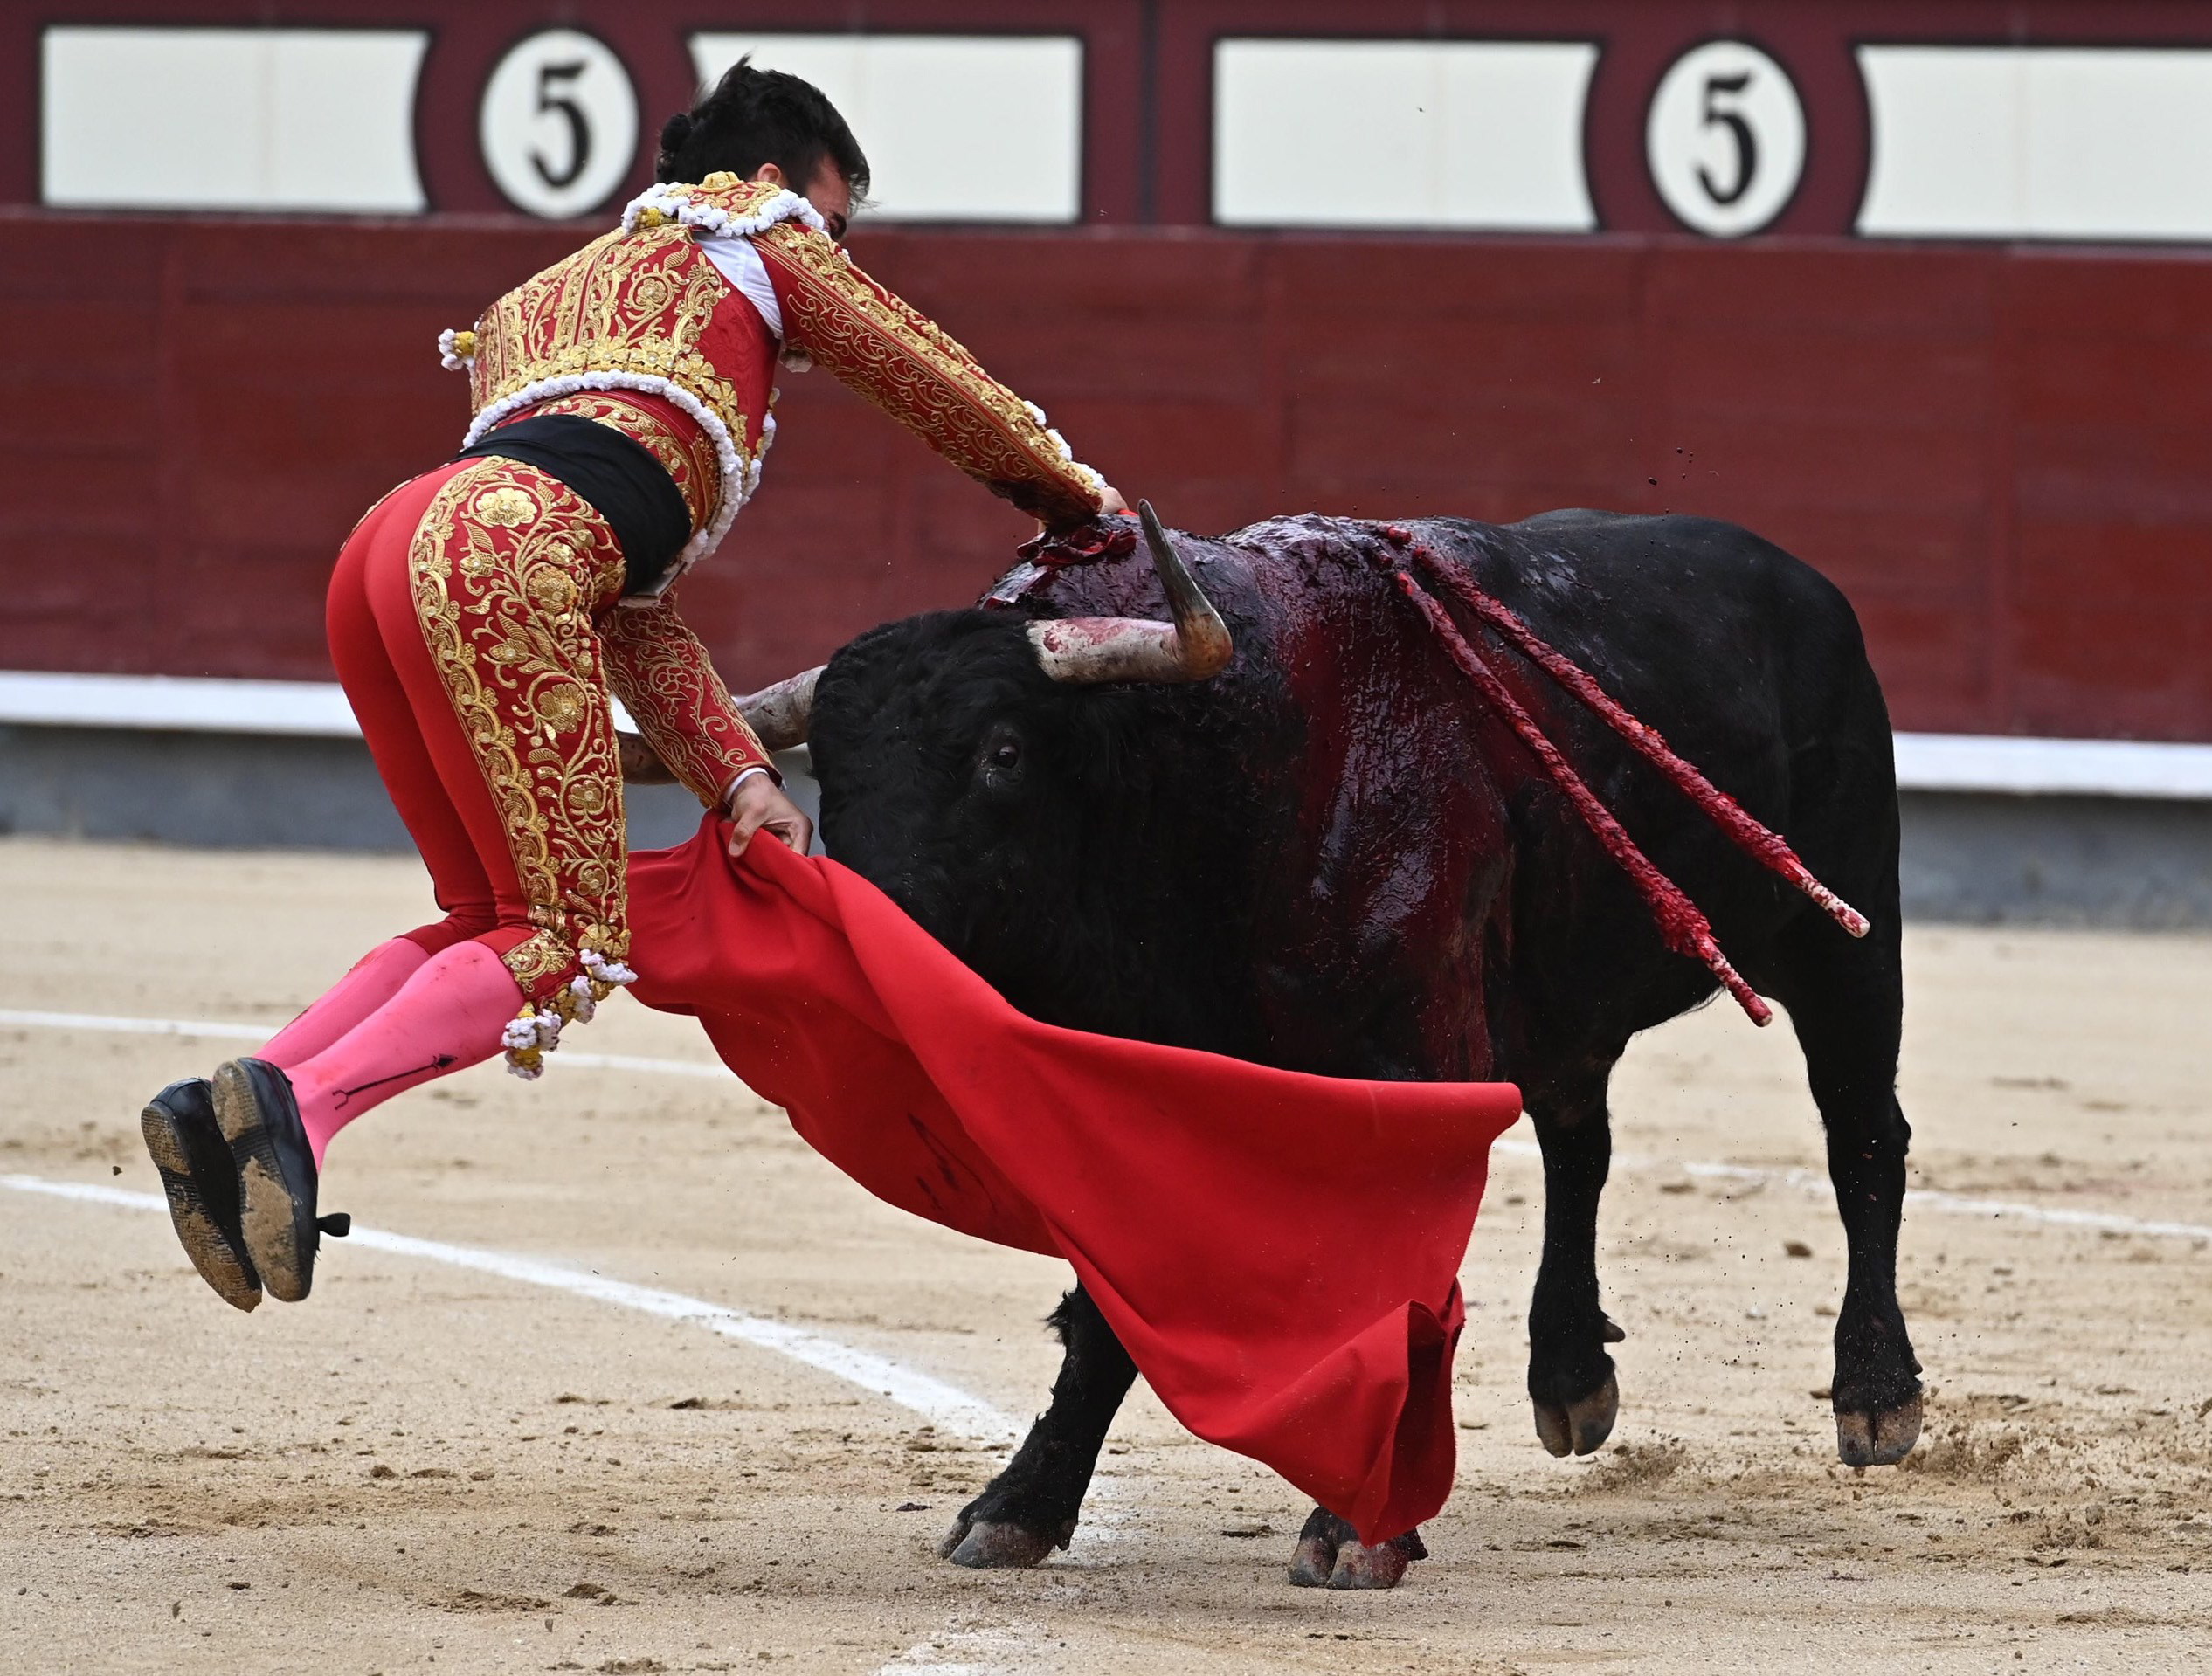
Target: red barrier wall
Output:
[(2000, 454)]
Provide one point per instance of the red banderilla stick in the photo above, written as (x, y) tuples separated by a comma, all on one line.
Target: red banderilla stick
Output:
[(1763, 844), (1686, 930)]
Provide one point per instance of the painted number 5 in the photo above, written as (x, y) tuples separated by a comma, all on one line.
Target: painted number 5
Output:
[(559, 123), (1725, 139), (1716, 89), (555, 82)]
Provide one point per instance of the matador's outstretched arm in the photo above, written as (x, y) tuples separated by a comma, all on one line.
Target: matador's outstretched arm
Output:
[(903, 362), (665, 680)]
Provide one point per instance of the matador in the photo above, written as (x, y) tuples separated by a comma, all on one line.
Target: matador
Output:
[(481, 614)]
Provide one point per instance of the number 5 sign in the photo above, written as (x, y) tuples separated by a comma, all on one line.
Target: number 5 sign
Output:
[(559, 123), (1725, 139)]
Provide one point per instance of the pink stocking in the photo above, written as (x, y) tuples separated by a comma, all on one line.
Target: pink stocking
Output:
[(451, 1014), (375, 978)]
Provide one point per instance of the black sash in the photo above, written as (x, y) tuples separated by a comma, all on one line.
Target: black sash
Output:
[(616, 475)]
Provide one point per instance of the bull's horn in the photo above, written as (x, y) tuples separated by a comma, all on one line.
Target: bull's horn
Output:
[(1194, 647), (781, 714)]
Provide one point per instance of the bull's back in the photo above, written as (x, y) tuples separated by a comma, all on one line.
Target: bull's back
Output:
[(1402, 836), (1752, 665), (1748, 660)]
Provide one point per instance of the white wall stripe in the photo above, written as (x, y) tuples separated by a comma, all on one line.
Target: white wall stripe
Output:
[(40, 697), (1997, 763), (1918, 1199), (2025, 767)]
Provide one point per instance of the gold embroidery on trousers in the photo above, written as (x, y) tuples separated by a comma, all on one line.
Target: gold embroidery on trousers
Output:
[(506, 569)]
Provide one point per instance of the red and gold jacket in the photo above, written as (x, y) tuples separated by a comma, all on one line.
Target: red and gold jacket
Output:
[(670, 329)]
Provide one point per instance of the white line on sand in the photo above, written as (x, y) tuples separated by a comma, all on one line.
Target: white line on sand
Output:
[(966, 1648), (214, 1030), (1919, 1199), (1008, 1648), (942, 1404)]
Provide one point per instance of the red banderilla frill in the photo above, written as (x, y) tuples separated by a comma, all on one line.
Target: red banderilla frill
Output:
[(1685, 929)]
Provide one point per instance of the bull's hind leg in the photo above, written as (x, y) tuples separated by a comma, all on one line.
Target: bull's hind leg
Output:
[(1570, 1378), (1846, 1001), (1030, 1508)]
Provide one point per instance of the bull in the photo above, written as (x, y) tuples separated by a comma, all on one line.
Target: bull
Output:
[(1241, 799)]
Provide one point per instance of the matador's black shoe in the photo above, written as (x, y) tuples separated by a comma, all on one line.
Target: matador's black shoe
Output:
[(202, 1183), (276, 1175)]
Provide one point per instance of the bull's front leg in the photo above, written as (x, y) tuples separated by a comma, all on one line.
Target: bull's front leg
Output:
[(1331, 1555), (1030, 1508), (1571, 1384)]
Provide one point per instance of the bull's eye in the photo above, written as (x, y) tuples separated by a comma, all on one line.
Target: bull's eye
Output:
[(999, 763)]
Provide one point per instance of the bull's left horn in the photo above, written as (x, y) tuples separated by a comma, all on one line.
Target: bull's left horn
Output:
[(782, 714), (1194, 647)]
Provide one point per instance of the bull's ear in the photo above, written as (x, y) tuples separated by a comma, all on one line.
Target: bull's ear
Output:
[(641, 767)]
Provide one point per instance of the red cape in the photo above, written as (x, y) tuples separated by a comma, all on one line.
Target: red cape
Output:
[(1278, 1252)]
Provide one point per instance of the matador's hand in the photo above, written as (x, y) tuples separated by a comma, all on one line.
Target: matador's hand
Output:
[(1110, 505), (757, 803)]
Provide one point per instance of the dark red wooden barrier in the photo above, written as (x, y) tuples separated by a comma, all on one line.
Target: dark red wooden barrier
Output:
[(2004, 455)]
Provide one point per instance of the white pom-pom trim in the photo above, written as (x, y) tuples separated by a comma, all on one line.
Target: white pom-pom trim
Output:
[(527, 1038), (581, 1008), (717, 222), (605, 970), (1093, 480), (447, 359), (740, 476)]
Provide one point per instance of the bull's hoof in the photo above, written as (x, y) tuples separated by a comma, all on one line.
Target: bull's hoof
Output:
[(1331, 1555), (1381, 1566), (1881, 1438), (988, 1545), (1311, 1563), (1582, 1424)]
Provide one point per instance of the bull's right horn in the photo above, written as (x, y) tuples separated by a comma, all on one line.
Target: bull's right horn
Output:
[(1196, 646), (782, 714)]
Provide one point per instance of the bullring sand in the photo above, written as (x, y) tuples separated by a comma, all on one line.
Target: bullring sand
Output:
[(425, 1466)]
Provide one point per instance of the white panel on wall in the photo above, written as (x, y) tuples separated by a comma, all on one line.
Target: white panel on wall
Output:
[(957, 128), (2039, 142), (1402, 134), (231, 118)]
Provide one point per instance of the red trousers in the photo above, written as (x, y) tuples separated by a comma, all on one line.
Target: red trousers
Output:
[(463, 622)]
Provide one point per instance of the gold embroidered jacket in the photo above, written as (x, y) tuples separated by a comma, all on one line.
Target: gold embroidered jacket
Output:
[(666, 328)]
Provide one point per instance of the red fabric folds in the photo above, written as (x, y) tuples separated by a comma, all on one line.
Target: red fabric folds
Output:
[(1278, 1252)]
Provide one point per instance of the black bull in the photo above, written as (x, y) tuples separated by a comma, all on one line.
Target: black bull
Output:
[(1334, 857)]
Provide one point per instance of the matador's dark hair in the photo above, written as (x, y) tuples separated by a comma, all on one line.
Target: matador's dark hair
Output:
[(760, 116)]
